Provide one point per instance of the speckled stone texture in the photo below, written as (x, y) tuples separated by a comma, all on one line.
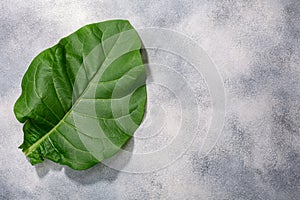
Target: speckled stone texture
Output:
[(254, 45)]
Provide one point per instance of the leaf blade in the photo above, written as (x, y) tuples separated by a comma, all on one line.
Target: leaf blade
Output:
[(88, 64)]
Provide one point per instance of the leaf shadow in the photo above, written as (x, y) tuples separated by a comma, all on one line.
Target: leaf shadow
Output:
[(42, 169), (144, 54), (99, 172)]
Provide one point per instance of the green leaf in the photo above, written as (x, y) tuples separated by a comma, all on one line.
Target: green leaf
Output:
[(83, 98)]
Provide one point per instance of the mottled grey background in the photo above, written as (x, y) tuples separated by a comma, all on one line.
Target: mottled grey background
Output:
[(255, 46)]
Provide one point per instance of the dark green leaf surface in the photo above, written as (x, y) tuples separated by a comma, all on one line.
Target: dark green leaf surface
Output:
[(83, 98)]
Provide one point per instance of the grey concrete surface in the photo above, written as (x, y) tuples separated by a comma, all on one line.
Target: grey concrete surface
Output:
[(254, 45)]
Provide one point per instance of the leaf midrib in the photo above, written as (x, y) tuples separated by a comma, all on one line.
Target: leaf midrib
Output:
[(37, 143)]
